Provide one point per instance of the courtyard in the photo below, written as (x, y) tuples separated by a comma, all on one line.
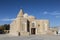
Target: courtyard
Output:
[(31, 37)]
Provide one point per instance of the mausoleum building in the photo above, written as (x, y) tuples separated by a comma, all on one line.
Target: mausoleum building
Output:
[(25, 25)]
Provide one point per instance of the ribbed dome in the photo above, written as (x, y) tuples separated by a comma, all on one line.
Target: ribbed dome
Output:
[(32, 17), (25, 15)]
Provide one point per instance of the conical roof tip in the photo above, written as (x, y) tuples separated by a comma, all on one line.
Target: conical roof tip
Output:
[(21, 13)]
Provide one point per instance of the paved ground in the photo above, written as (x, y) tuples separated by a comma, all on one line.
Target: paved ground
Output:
[(31, 37)]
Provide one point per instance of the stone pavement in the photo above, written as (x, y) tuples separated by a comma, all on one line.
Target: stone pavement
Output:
[(31, 37)]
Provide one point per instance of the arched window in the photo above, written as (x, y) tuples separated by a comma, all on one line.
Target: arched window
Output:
[(33, 24)]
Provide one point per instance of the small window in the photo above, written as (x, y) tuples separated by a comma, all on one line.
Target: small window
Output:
[(38, 25)]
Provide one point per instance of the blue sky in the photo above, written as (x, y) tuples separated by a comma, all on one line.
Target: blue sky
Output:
[(41, 9)]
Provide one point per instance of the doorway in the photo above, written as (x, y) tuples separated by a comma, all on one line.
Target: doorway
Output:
[(18, 33), (33, 30)]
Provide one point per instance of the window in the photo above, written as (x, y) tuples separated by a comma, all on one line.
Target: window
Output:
[(33, 24), (38, 25)]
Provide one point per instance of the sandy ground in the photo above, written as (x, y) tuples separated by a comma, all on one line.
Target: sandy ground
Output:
[(31, 37)]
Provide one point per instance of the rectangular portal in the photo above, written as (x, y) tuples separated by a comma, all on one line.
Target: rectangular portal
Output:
[(33, 30)]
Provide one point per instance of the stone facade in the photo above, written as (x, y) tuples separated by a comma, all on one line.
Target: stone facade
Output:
[(25, 25)]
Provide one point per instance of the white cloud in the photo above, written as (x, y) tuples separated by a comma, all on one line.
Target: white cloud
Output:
[(52, 13), (57, 16), (7, 19), (45, 12), (55, 13)]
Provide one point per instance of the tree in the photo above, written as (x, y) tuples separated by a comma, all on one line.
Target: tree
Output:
[(6, 26)]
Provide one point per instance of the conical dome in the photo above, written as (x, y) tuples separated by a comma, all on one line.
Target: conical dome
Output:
[(20, 13)]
